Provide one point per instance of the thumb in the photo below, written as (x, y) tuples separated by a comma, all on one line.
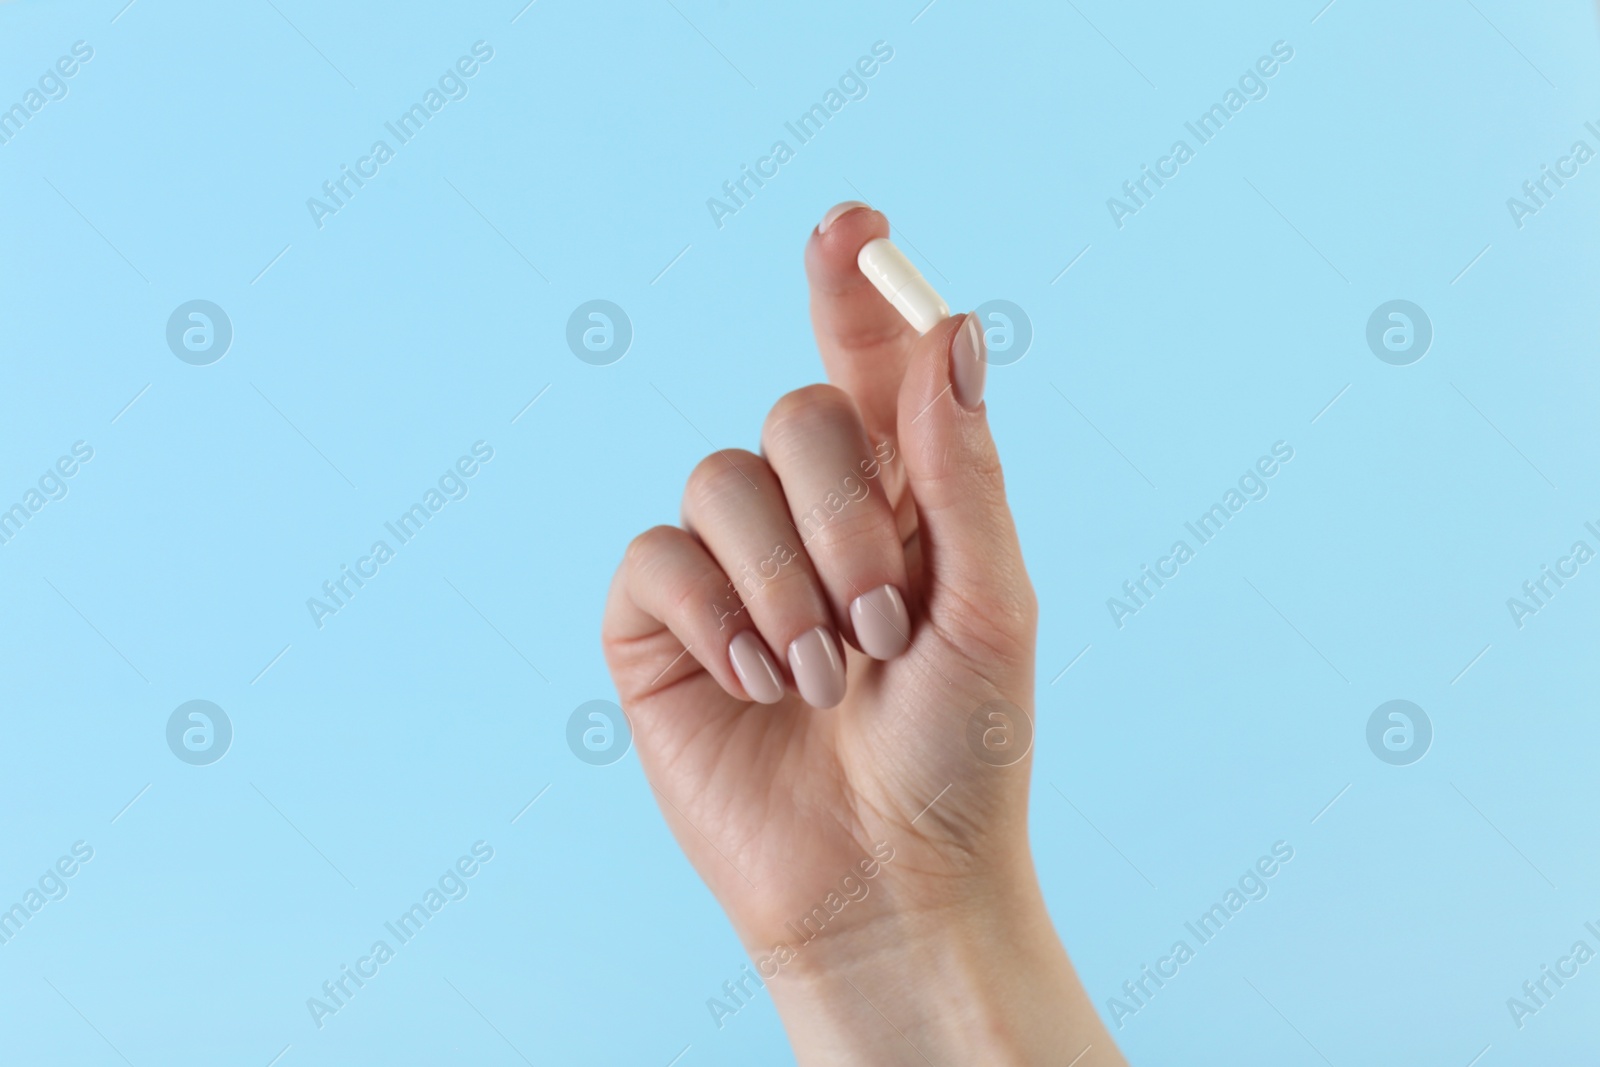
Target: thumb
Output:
[(973, 579)]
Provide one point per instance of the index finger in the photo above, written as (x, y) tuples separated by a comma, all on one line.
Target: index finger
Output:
[(864, 341)]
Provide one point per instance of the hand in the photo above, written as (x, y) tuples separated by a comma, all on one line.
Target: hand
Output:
[(876, 869)]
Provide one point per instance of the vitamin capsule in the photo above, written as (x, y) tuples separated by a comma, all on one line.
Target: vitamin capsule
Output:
[(908, 291)]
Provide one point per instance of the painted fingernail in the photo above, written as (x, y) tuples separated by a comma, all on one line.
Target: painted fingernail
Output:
[(835, 211), (818, 668), (756, 671), (883, 626), (967, 365)]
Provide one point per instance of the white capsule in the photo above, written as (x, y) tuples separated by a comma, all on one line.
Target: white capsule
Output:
[(908, 291)]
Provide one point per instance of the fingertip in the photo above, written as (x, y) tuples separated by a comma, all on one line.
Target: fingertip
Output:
[(755, 668), (949, 358), (968, 363), (833, 213), (818, 667), (881, 622), (837, 241)]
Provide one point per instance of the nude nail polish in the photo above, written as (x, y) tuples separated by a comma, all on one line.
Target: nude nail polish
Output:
[(818, 668), (835, 211), (967, 364), (882, 624), (756, 671)]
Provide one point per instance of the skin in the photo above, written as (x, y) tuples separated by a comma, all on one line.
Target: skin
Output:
[(944, 952)]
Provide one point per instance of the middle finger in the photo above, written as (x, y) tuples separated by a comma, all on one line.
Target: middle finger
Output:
[(735, 505)]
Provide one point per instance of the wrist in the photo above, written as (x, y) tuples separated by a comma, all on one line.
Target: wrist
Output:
[(979, 979)]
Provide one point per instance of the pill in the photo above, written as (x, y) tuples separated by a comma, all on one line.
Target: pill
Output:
[(906, 290)]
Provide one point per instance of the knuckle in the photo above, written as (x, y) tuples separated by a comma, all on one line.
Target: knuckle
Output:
[(654, 561), (863, 531), (790, 591), (649, 546), (1028, 604), (885, 334), (997, 628), (698, 601), (653, 558), (730, 473), (809, 410), (989, 604), (958, 477)]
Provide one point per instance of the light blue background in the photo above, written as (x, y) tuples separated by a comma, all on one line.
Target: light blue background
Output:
[(422, 718)]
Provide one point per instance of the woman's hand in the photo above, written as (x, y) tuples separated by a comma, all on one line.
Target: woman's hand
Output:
[(860, 811)]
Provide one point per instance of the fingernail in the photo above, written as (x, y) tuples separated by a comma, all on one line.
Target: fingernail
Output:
[(818, 669), (756, 671), (967, 364), (835, 211), (883, 626)]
